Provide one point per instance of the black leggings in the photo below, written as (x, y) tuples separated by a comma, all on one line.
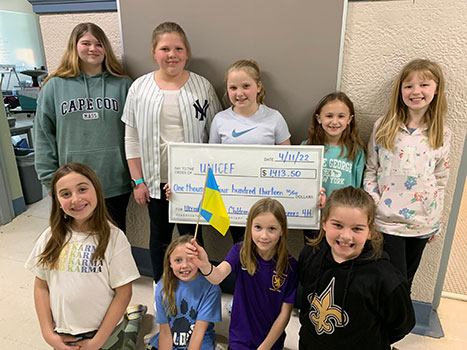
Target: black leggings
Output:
[(116, 206), (405, 254)]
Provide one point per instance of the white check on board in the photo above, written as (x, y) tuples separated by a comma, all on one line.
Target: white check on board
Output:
[(245, 174)]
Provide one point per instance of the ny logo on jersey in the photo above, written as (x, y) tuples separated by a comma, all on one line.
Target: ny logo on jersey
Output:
[(201, 111), (324, 314)]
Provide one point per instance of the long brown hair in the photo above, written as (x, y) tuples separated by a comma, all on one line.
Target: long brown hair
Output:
[(398, 112), (353, 198), (248, 250), (350, 137), (169, 281), (61, 226), (69, 65)]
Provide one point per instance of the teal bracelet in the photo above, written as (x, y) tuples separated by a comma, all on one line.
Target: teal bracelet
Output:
[(135, 183)]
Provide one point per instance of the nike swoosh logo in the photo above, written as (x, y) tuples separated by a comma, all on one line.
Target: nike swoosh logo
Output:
[(237, 134), (244, 268)]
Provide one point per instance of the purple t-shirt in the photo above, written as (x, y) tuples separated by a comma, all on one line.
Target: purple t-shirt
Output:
[(258, 300)]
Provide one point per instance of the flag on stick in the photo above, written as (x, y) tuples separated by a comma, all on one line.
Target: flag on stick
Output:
[(212, 207)]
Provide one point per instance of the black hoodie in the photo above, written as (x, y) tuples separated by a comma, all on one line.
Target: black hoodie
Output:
[(358, 304)]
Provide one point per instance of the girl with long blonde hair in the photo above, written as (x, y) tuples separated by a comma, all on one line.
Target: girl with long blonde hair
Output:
[(78, 117), (408, 164)]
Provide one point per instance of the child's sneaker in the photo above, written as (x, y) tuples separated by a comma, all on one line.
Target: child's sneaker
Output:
[(150, 347), (228, 307), (147, 340), (221, 346), (135, 312)]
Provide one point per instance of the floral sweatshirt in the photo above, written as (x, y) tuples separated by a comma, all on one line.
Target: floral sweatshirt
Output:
[(407, 183)]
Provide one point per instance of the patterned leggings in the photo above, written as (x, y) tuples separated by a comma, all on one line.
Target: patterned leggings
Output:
[(123, 337)]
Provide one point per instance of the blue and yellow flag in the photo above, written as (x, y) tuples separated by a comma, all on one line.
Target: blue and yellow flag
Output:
[(212, 208)]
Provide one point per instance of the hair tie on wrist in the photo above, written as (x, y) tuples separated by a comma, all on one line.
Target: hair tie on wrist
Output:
[(205, 275)]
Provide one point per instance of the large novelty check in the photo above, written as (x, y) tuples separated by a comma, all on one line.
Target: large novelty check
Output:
[(245, 174)]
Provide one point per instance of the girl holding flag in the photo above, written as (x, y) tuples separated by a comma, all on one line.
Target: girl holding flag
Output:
[(266, 278), (187, 305)]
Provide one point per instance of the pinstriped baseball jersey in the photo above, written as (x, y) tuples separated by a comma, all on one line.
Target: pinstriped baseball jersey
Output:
[(198, 104)]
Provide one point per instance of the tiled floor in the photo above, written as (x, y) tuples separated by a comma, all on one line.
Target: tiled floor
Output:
[(19, 328)]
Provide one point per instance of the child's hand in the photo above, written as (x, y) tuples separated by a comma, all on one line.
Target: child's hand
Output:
[(322, 198), (197, 254), (141, 194), (60, 342), (432, 238), (168, 192)]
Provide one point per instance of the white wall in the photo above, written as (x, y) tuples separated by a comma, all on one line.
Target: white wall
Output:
[(380, 38)]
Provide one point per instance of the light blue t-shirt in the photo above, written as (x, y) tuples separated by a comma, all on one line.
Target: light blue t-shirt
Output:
[(195, 300)]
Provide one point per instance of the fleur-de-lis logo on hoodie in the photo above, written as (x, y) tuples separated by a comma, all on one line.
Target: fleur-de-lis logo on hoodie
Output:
[(324, 314)]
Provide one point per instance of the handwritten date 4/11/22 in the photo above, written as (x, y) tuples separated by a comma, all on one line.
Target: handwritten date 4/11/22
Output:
[(294, 157)]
